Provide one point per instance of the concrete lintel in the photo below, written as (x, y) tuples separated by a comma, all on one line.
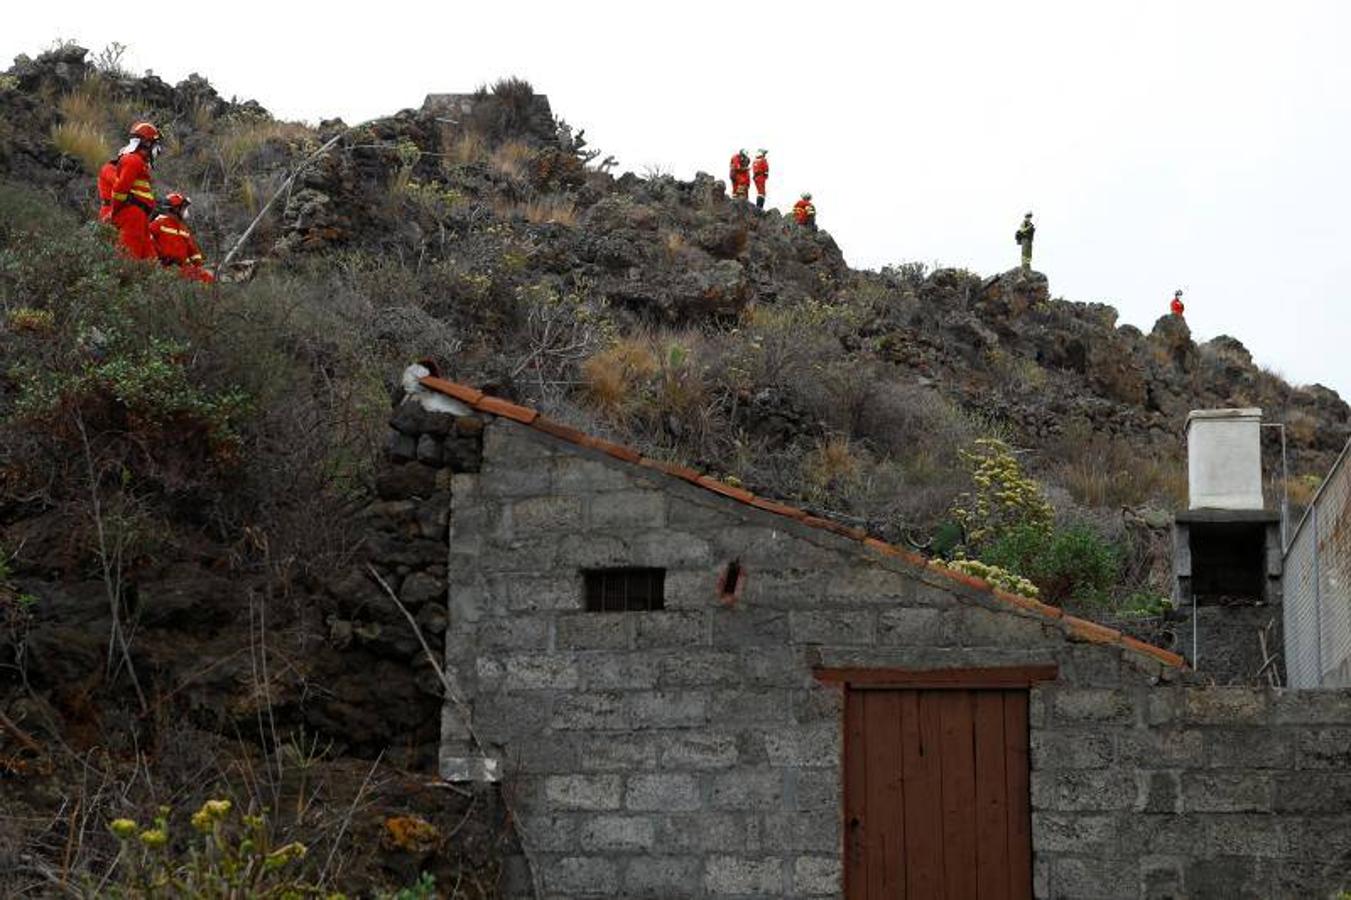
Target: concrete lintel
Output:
[(1238, 413), (1226, 516)]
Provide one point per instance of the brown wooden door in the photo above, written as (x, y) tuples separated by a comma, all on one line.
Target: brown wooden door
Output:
[(936, 794)]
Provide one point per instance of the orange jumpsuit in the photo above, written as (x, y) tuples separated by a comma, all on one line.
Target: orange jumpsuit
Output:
[(107, 176), (740, 176), (804, 212), (760, 172), (177, 247), (133, 205), (1176, 306)]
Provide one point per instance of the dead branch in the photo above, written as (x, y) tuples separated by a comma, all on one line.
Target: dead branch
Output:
[(112, 570), (285, 186), (19, 734), (347, 819)]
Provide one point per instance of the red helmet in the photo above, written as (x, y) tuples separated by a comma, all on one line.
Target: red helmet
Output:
[(177, 202), (145, 131)]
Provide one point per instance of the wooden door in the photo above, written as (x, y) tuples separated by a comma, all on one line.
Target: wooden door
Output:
[(936, 793)]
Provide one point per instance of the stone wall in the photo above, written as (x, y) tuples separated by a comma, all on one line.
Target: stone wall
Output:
[(1191, 791), (383, 695), (691, 752)]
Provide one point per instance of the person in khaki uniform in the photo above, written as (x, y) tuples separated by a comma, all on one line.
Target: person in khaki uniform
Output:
[(1024, 238)]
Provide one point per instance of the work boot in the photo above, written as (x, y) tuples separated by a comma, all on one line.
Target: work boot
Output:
[(760, 202)]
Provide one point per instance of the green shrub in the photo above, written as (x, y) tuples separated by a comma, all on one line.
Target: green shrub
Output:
[(1071, 563), (257, 404)]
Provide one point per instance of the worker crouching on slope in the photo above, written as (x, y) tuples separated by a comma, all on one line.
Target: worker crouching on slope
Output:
[(804, 211), (1024, 238), (1176, 307), (133, 199), (760, 173), (740, 175), (174, 242)]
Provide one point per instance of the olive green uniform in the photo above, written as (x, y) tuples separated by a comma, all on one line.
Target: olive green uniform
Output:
[(1024, 238)]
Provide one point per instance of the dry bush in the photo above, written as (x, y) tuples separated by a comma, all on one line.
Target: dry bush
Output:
[(675, 245), (1102, 472), (84, 142), (615, 375), (789, 345), (1015, 374), (830, 466), (512, 159), (507, 109), (1301, 427)]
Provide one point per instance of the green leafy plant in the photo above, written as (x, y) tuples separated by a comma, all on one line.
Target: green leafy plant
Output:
[(1070, 563)]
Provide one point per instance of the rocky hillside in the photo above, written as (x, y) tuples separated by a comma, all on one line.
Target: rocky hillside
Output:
[(195, 470)]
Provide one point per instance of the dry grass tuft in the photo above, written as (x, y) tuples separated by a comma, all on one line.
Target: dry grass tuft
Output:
[(244, 138), (831, 466), (83, 141), (614, 375), (1111, 480), (1302, 488), (551, 209), (512, 159), (462, 148)]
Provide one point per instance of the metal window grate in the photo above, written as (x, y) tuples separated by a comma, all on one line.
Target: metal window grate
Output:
[(624, 590)]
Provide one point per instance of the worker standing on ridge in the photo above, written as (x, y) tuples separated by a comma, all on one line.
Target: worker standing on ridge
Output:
[(175, 244), (804, 211), (1176, 306), (1024, 238), (760, 172), (740, 175), (132, 195)]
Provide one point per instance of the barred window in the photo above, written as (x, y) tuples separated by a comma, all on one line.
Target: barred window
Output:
[(624, 590)]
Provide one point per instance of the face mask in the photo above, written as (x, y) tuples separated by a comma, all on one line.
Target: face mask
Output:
[(154, 152)]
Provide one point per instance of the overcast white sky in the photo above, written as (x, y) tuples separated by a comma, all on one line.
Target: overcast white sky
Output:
[(1201, 145)]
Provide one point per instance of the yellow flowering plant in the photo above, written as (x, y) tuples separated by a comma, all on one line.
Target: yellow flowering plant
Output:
[(230, 856), (1002, 497)]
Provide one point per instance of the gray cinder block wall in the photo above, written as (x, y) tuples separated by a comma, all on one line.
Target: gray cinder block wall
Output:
[(691, 752)]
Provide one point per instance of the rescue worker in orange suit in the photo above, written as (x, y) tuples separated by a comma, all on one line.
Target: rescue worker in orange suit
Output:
[(107, 176), (760, 172), (740, 175), (804, 211), (1176, 306), (174, 241), (133, 198)]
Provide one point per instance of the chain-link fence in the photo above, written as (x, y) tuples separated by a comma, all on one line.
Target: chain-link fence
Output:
[(1317, 587)]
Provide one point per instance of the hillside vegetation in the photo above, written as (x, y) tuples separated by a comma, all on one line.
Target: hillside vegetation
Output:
[(184, 468)]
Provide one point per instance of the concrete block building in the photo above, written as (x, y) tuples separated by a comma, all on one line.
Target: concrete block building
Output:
[(686, 690)]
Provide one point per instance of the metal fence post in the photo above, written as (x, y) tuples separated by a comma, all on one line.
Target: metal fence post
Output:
[(1317, 598)]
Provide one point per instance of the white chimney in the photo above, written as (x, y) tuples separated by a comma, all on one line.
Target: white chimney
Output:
[(1224, 457)]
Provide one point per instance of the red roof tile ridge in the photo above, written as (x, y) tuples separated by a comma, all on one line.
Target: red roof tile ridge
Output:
[(1076, 628)]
